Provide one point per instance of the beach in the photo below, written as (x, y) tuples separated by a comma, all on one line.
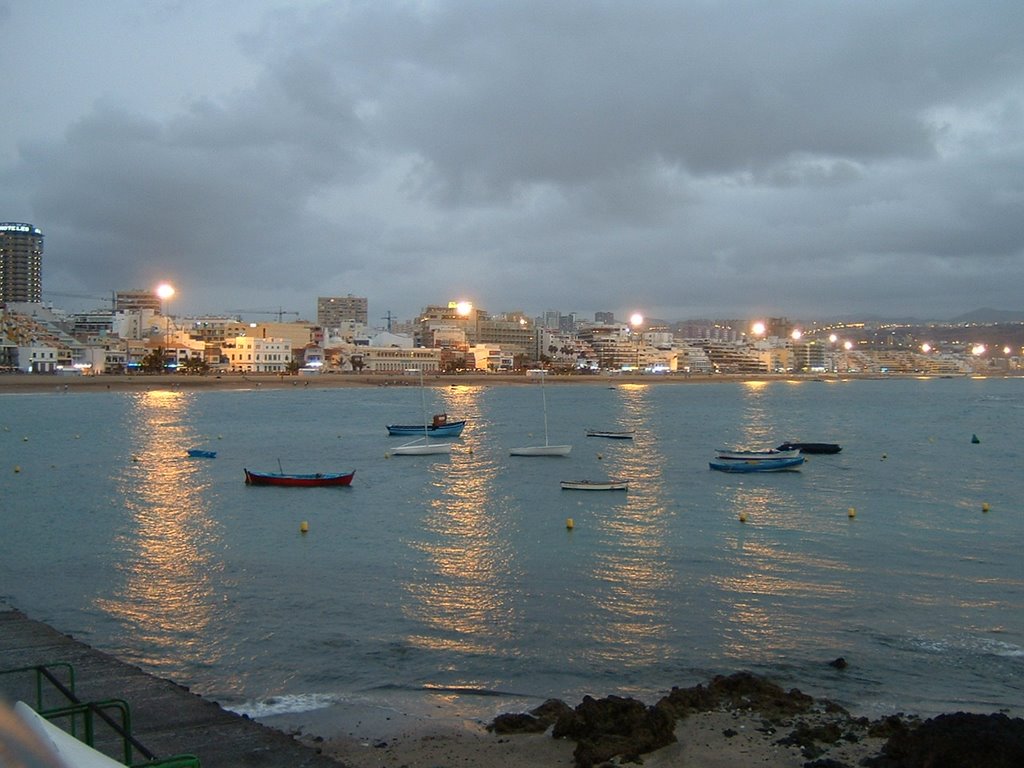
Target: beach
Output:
[(12, 383), (366, 736), (740, 719)]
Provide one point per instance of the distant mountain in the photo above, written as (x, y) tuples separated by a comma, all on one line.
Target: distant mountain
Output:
[(989, 315)]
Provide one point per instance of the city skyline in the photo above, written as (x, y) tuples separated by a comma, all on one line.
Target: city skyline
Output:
[(683, 161)]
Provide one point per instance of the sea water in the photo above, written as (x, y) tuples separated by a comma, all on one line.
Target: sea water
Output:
[(902, 554)]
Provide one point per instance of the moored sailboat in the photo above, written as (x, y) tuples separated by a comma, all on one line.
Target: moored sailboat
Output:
[(547, 449), (422, 447)]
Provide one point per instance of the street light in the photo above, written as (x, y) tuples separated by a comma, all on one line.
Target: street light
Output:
[(637, 320), (164, 292)]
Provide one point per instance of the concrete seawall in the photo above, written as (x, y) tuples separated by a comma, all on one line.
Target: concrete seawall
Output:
[(166, 718)]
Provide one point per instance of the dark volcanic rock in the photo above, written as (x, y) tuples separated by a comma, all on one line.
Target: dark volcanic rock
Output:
[(517, 722), (537, 721), (604, 728), (959, 740), (741, 690)]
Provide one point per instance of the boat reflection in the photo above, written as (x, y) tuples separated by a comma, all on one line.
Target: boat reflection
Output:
[(462, 601), (165, 600)]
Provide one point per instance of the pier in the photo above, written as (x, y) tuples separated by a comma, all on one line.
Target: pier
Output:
[(166, 718)]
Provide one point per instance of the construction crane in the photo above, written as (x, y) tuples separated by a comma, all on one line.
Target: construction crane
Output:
[(105, 299), (279, 312)]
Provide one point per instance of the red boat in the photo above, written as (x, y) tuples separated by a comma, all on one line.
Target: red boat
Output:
[(298, 481)]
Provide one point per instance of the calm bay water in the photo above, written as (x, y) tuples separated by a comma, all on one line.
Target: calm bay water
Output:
[(459, 573)]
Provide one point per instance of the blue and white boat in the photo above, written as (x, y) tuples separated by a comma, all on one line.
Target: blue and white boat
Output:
[(757, 465), (439, 427)]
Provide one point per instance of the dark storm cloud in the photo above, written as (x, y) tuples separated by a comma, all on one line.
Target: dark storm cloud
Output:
[(681, 158)]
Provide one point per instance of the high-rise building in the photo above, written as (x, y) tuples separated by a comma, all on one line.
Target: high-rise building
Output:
[(21, 262), (331, 311), (137, 299)]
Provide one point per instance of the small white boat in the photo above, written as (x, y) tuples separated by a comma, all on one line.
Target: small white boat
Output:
[(744, 455), (595, 485), (421, 449), (547, 449), (541, 450)]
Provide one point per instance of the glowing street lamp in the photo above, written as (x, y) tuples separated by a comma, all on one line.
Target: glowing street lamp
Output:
[(637, 320), (164, 292), (758, 328)]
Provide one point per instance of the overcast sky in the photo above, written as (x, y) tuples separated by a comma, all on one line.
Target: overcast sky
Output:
[(683, 159)]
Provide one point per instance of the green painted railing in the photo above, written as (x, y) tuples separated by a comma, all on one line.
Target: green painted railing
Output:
[(85, 713)]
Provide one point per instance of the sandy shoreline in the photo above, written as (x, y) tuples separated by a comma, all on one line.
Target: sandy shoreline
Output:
[(733, 720), (15, 383), (366, 735)]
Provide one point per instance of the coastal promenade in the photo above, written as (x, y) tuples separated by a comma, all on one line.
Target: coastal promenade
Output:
[(166, 718)]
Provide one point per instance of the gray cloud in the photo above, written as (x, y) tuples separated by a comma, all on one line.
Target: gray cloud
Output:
[(684, 159)]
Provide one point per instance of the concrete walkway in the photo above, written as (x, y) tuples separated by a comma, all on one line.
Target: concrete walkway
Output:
[(166, 718)]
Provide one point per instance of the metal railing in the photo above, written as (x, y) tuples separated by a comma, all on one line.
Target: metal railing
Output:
[(86, 712)]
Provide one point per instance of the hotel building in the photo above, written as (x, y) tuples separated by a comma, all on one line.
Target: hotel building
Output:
[(21, 262)]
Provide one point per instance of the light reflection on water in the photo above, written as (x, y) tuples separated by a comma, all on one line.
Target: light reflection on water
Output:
[(164, 598), (461, 602), (633, 566)]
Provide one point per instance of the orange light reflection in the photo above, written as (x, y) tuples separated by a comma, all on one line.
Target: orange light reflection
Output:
[(633, 564), (462, 599), (165, 598)]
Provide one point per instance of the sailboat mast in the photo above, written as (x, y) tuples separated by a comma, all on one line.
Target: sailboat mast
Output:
[(423, 407), (544, 398)]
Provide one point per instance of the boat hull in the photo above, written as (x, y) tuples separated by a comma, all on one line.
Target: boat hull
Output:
[(811, 447), (197, 453), (429, 449), (541, 450), (451, 429), (594, 485), (298, 481), (769, 455), (757, 465), (611, 435)]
